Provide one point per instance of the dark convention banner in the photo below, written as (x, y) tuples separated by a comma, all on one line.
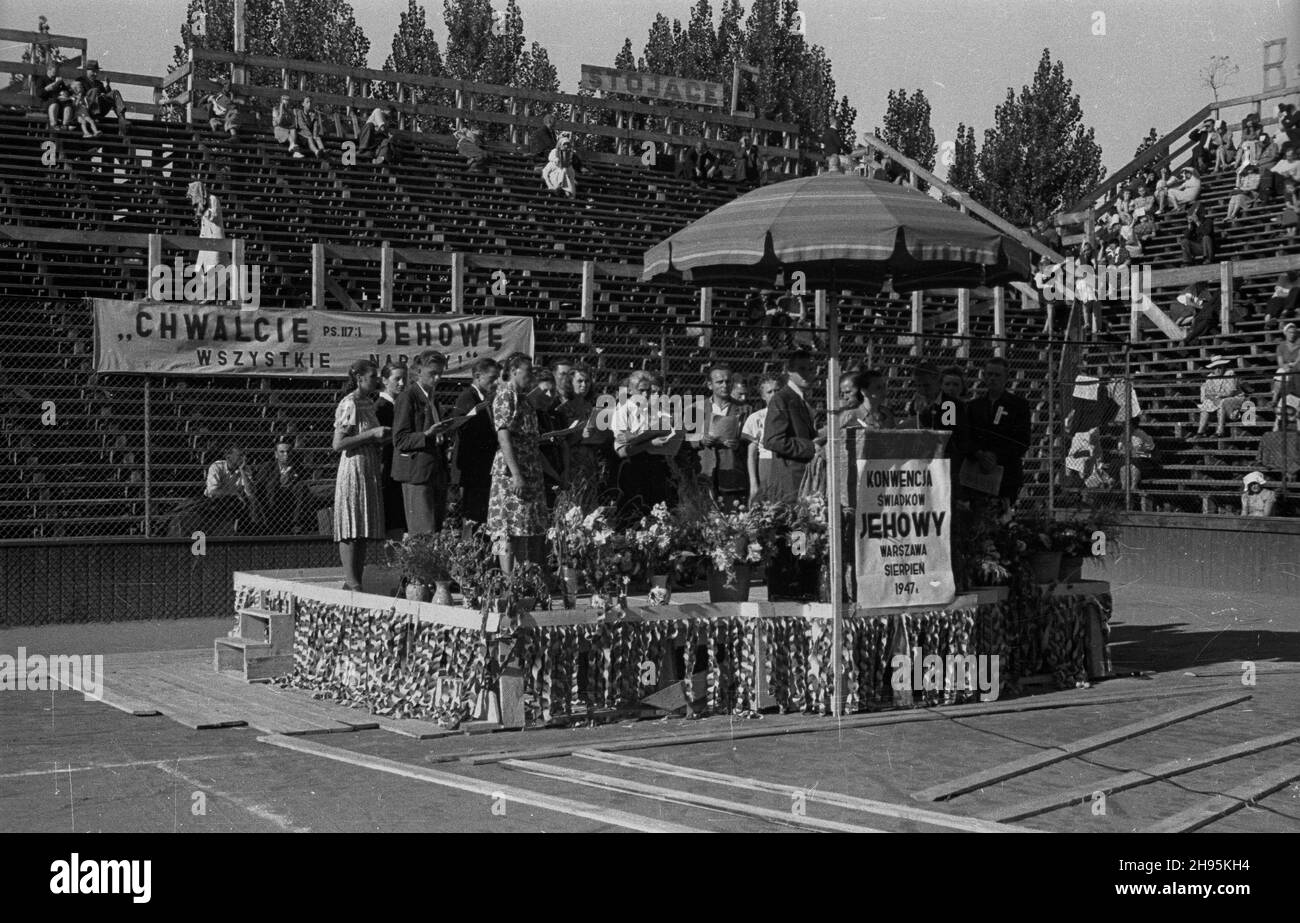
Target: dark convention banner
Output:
[(195, 339), (654, 86)]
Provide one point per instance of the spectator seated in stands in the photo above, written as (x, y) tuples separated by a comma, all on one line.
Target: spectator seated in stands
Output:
[(1177, 196), (542, 141), (1141, 458), (1287, 380), (1221, 395), (286, 130), (1225, 154), (57, 93), (562, 166), (281, 492), (377, 138), (82, 109), (697, 164), (1200, 311), (1198, 237), (1285, 298), (230, 490), (1256, 498), (1164, 179), (833, 148), (223, 108), (1290, 217), (1286, 169), (310, 126), (877, 171), (1269, 154), (101, 98), (1245, 194), (1248, 151), (469, 144), (747, 172), (1204, 141), (1288, 119)]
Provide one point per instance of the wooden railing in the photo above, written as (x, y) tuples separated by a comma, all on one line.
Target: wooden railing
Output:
[(522, 108), (36, 72)]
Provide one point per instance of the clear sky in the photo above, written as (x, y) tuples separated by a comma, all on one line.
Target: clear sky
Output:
[(1142, 72)]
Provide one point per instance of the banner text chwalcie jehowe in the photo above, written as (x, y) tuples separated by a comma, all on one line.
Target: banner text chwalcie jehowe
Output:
[(189, 339)]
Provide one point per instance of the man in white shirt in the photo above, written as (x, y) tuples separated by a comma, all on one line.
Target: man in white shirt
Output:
[(230, 487), (721, 461), (759, 458), (643, 476)]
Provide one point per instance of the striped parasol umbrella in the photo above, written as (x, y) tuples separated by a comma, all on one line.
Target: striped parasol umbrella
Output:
[(839, 230), (842, 232)]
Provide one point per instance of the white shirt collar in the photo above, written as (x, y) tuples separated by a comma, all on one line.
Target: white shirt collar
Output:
[(795, 388)]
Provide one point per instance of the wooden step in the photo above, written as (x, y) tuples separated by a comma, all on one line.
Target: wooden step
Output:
[(255, 661)]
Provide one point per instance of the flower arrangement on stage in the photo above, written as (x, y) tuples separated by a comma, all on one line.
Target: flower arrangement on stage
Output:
[(611, 553), (423, 558), (802, 525), (662, 540), (739, 537), (567, 536), (530, 588)]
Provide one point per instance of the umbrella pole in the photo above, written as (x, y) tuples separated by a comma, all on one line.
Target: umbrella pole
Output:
[(834, 521)]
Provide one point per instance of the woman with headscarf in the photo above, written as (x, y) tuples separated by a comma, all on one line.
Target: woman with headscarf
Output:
[(559, 174), (358, 497), (207, 208)]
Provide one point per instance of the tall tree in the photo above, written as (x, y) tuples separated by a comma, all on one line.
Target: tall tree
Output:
[(962, 172), (415, 51), (324, 31), (907, 128), (1038, 157), (625, 60)]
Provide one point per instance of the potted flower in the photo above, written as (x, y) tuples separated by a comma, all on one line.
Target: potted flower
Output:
[(1042, 555), (423, 561), (469, 559), (734, 542), (610, 557), (529, 587), (570, 540), (659, 539), (1077, 540), (801, 534)]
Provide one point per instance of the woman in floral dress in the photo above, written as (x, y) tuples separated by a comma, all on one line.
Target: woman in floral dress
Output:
[(517, 501), (358, 496)]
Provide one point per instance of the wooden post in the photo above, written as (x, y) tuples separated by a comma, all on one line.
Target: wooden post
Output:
[(917, 322), (155, 259), (458, 283), (1227, 269), (239, 74), (706, 317), (386, 277), (963, 323), (318, 276), (236, 256), (834, 521), (588, 306), (189, 90), (1000, 321), (460, 107), (1134, 317)]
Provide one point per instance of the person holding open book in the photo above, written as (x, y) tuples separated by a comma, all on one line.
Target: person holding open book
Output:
[(476, 443), (722, 461), (644, 440)]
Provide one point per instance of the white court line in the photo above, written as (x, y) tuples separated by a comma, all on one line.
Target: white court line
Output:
[(866, 805), (93, 766), (481, 787), (252, 807)]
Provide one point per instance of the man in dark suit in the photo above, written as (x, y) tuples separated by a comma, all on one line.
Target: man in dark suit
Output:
[(419, 463), (1198, 239), (476, 444), (790, 433), (1000, 428), (281, 491)]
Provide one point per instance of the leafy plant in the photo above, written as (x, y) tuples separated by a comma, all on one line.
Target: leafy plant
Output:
[(661, 539), (737, 537)]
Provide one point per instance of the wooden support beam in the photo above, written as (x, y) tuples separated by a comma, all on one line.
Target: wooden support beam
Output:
[(155, 258), (588, 307), (386, 272), (706, 317), (918, 322), (319, 275), (963, 323), (344, 298), (458, 283), (1227, 270)]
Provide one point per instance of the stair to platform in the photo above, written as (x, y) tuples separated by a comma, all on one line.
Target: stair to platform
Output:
[(261, 647)]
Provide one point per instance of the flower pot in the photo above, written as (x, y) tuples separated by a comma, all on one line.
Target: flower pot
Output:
[(442, 595), (417, 591), (660, 594), (1071, 568), (736, 590), (1045, 566), (572, 583)]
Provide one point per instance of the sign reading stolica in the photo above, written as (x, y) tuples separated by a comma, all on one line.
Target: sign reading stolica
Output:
[(903, 520), (196, 339)]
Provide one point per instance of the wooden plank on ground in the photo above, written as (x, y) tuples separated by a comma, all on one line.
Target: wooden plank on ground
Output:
[(676, 796), (487, 789), (1050, 755), (1127, 780), (1212, 809), (360, 720), (866, 805), (182, 705), (116, 692), (810, 725), (249, 701)]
